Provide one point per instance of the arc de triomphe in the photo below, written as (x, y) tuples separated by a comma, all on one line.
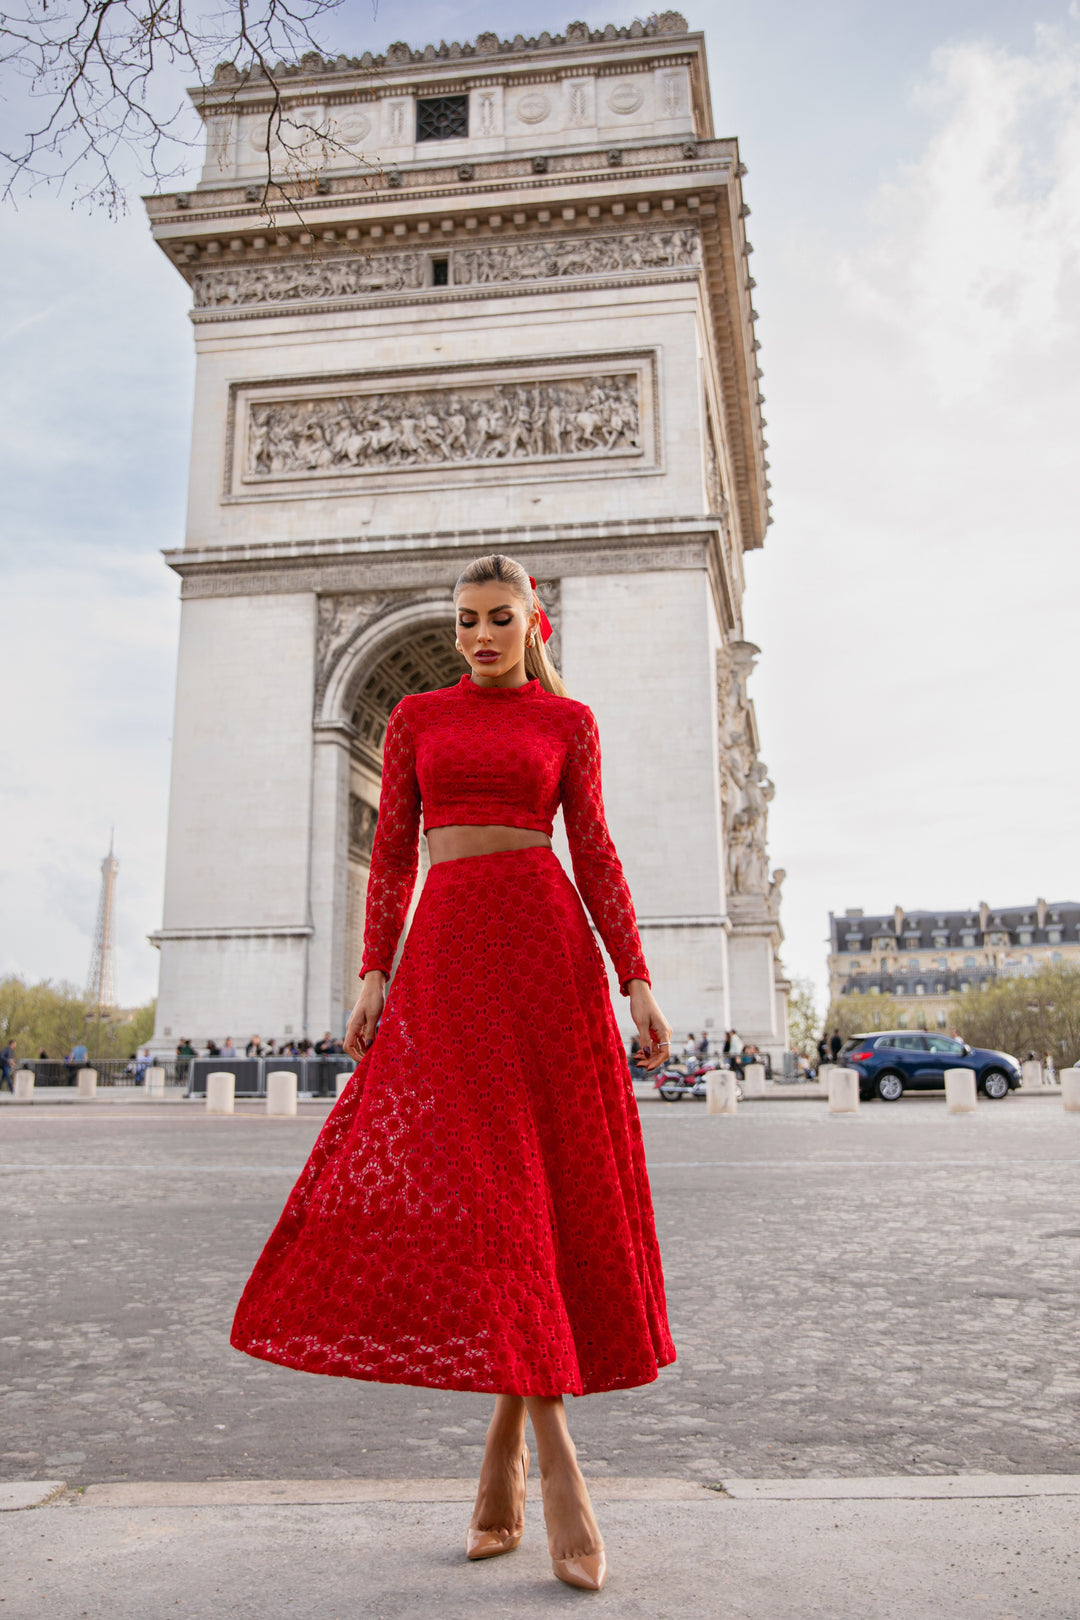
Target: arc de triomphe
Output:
[(528, 328)]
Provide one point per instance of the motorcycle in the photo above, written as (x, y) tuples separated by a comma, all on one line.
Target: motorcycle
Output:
[(678, 1080)]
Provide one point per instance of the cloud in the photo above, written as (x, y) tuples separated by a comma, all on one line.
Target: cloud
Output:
[(916, 600)]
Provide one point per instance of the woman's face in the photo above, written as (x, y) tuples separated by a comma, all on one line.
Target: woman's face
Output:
[(492, 624)]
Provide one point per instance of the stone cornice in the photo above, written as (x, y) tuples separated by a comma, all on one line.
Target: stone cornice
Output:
[(409, 562), (369, 199)]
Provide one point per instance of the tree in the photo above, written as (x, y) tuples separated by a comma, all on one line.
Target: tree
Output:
[(804, 1020), (53, 1017), (1037, 1014), (861, 1014), (101, 71)]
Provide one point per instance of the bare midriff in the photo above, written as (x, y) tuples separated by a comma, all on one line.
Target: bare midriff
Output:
[(458, 843)]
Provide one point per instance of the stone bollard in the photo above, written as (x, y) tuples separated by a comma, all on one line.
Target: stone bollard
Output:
[(24, 1085), (1032, 1071), (1070, 1090), (960, 1096), (721, 1094), (281, 1093), (86, 1084), (843, 1089), (753, 1080), (824, 1071), (220, 1092), (343, 1079), (155, 1082)]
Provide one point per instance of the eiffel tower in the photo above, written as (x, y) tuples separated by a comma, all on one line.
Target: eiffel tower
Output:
[(101, 980)]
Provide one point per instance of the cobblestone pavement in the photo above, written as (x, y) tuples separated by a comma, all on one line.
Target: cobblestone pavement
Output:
[(889, 1293)]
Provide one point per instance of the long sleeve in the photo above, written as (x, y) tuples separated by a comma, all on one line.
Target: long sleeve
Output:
[(598, 871), (394, 854)]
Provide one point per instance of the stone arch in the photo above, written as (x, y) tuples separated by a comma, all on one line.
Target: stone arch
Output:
[(382, 658), (357, 634)]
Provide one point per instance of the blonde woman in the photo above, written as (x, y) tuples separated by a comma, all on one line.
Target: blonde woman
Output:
[(476, 1214)]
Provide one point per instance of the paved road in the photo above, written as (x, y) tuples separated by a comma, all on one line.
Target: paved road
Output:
[(885, 1294)]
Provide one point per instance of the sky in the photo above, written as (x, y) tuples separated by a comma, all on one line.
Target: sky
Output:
[(914, 179)]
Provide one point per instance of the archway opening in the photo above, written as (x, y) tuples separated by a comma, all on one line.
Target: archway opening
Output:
[(423, 661)]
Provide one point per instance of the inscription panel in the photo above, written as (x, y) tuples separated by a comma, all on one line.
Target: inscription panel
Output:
[(398, 427)]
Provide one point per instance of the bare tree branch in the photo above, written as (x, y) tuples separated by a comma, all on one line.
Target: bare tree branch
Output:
[(96, 68)]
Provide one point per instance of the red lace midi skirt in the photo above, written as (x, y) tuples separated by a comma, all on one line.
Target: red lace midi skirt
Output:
[(476, 1213)]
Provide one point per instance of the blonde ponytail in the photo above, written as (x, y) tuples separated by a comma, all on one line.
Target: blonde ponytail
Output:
[(504, 570)]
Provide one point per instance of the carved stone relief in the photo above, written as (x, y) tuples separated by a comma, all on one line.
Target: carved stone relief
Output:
[(566, 418), (354, 276), (594, 255), (626, 98), (228, 286), (745, 789), (533, 108), (362, 820)]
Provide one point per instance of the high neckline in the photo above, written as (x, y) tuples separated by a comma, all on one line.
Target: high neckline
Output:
[(469, 685)]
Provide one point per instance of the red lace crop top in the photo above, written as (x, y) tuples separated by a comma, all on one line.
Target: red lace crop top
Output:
[(495, 756)]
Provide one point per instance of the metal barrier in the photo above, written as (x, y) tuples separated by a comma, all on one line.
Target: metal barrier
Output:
[(315, 1076), (110, 1071)]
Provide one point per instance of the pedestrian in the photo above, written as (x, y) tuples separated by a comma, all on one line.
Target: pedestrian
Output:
[(835, 1044), (703, 1047), (734, 1047), (689, 1047), (325, 1046), (141, 1065), (454, 1230), (212, 1048), (1049, 1070), (228, 1050), (254, 1047), (76, 1059), (822, 1049), (7, 1065)]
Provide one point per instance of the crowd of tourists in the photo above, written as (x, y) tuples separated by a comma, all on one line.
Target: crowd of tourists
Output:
[(257, 1047)]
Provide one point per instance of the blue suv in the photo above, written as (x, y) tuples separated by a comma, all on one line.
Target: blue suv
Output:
[(904, 1060)]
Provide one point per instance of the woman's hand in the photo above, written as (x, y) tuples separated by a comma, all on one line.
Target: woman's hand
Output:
[(364, 1018), (654, 1031)]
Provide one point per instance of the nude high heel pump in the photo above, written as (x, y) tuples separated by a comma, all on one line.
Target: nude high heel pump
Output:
[(490, 1543), (589, 1570)]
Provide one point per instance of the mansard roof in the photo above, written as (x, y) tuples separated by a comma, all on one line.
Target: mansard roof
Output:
[(928, 930)]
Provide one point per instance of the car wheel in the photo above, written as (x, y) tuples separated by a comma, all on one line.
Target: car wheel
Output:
[(670, 1093), (889, 1087), (996, 1085)]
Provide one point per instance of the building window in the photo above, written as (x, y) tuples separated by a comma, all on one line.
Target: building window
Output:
[(440, 272), (969, 961), (969, 940), (941, 1018), (920, 989), (1025, 936), (442, 118), (1054, 936), (1055, 956), (941, 962), (914, 966), (965, 984), (940, 988)]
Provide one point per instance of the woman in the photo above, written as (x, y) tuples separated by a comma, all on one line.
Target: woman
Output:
[(476, 1213)]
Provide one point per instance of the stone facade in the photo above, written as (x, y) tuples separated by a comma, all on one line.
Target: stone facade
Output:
[(923, 958), (495, 297)]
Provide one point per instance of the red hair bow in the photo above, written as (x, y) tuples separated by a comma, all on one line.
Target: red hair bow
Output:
[(545, 622)]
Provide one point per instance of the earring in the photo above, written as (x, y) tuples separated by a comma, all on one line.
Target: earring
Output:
[(528, 641), (457, 644)]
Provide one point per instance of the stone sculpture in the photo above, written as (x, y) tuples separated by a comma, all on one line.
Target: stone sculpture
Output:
[(495, 422), (591, 256)]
